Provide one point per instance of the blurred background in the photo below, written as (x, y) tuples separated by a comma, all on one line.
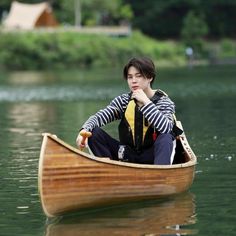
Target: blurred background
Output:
[(78, 33)]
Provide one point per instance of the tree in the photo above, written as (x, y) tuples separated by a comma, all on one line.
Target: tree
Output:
[(193, 31), (77, 13), (159, 18), (92, 12), (164, 19)]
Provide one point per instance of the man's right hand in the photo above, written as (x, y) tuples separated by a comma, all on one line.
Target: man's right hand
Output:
[(82, 138)]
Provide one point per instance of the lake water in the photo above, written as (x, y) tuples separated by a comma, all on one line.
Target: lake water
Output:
[(59, 102)]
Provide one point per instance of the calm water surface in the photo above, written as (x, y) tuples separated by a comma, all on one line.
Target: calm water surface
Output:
[(59, 102)]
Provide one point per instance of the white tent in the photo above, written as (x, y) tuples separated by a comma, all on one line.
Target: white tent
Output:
[(29, 16)]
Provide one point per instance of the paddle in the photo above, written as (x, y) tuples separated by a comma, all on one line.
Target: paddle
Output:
[(85, 134)]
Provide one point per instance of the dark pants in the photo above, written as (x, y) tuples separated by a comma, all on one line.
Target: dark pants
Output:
[(103, 145)]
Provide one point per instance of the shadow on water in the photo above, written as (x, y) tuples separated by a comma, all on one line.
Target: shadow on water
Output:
[(173, 216)]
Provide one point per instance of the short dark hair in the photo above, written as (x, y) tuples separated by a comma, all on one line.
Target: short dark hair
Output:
[(144, 65)]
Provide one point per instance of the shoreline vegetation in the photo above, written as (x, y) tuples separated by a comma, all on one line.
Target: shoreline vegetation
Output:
[(43, 50)]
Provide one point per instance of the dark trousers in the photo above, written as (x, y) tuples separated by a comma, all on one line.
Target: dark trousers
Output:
[(103, 145)]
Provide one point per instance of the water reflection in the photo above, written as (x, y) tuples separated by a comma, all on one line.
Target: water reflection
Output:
[(174, 216), (51, 86)]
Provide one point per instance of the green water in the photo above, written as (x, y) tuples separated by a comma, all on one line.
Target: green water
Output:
[(59, 102)]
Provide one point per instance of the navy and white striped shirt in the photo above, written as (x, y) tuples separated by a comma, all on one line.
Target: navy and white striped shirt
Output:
[(159, 115)]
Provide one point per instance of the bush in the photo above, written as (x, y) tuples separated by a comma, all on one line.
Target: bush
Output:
[(227, 48), (223, 49), (45, 50), (193, 31)]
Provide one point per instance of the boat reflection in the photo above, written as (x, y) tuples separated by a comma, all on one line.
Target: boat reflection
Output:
[(174, 216)]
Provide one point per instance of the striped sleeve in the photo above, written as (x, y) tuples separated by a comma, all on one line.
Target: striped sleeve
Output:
[(110, 113), (160, 115)]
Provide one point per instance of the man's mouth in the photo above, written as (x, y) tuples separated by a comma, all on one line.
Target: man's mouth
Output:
[(134, 87)]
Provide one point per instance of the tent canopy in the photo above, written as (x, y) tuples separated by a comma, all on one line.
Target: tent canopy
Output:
[(29, 16)]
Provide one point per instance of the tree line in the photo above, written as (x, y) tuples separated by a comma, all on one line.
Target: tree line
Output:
[(165, 19), (157, 18)]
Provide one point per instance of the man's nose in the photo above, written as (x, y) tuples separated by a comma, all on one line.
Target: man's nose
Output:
[(134, 79)]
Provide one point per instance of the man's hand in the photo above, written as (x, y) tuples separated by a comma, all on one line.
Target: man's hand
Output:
[(82, 138), (140, 97)]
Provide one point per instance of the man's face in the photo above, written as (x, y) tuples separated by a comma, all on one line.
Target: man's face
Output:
[(136, 80)]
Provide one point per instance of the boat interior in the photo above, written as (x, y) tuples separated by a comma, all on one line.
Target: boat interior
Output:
[(180, 154)]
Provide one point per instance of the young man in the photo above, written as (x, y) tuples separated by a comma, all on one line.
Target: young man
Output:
[(146, 121)]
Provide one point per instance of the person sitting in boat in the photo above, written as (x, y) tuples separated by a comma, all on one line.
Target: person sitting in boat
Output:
[(146, 121)]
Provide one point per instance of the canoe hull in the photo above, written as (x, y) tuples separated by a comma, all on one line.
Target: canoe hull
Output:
[(70, 179)]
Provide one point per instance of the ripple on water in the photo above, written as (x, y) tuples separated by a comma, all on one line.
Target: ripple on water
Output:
[(65, 93)]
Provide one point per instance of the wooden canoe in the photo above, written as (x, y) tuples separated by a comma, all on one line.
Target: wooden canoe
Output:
[(70, 179)]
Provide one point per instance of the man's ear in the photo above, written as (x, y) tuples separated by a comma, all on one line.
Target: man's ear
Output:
[(150, 79)]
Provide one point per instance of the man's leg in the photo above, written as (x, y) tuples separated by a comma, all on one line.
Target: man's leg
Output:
[(103, 145), (164, 149)]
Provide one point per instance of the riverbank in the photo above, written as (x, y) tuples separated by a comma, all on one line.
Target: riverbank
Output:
[(36, 50)]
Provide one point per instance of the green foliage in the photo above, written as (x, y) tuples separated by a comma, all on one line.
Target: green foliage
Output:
[(193, 31), (163, 19), (93, 12), (126, 12), (41, 50), (223, 49), (228, 48)]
